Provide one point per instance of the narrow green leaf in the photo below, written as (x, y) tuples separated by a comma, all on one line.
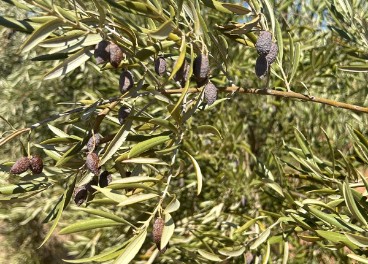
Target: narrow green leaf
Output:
[(226, 8), (317, 202), (209, 129), (60, 209), (47, 57), (362, 139), (173, 206), (69, 38), (19, 25), (335, 237), (65, 14), (244, 227), (154, 49), (309, 238), (135, 179), (295, 61), (13, 198), (70, 63), (198, 173), (137, 199), (88, 224), (360, 241), (175, 111), (70, 154), (142, 147), (300, 220), (58, 132), (286, 253), (302, 141), (209, 255), (102, 9), (232, 252), (354, 68), (274, 186), (132, 249), (40, 34), (270, 9), (266, 256), (111, 194), (350, 202), (237, 9), (145, 161), (164, 123), (18, 4), (179, 62), (22, 188), (104, 214), (280, 42), (358, 258), (163, 31), (96, 257), (116, 142), (327, 218), (261, 239), (167, 231), (167, 150)]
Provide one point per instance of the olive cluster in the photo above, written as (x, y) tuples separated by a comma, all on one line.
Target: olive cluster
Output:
[(34, 163), (92, 161), (106, 51), (267, 51), (81, 192)]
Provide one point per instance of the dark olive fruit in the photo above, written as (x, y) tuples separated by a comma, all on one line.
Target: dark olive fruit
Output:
[(201, 67), (126, 81), (264, 42), (92, 163), (123, 114), (272, 55), (261, 66), (20, 166), (210, 93), (160, 66), (201, 82), (80, 195), (158, 227), (182, 74), (36, 164), (104, 179), (116, 55), (102, 52), (93, 142)]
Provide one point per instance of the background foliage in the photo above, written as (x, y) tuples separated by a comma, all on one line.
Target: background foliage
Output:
[(283, 180)]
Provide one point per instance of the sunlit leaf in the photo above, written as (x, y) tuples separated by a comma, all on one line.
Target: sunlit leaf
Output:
[(198, 173), (167, 231), (116, 142), (209, 255), (138, 198), (40, 34), (261, 239), (132, 249), (69, 64), (142, 147), (163, 31), (88, 224)]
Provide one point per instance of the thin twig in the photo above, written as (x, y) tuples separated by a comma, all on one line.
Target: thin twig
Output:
[(291, 95)]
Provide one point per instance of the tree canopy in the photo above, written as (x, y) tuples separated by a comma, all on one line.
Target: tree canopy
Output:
[(192, 131)]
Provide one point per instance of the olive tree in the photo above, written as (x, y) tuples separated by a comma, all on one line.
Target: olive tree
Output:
[(186, 131)]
